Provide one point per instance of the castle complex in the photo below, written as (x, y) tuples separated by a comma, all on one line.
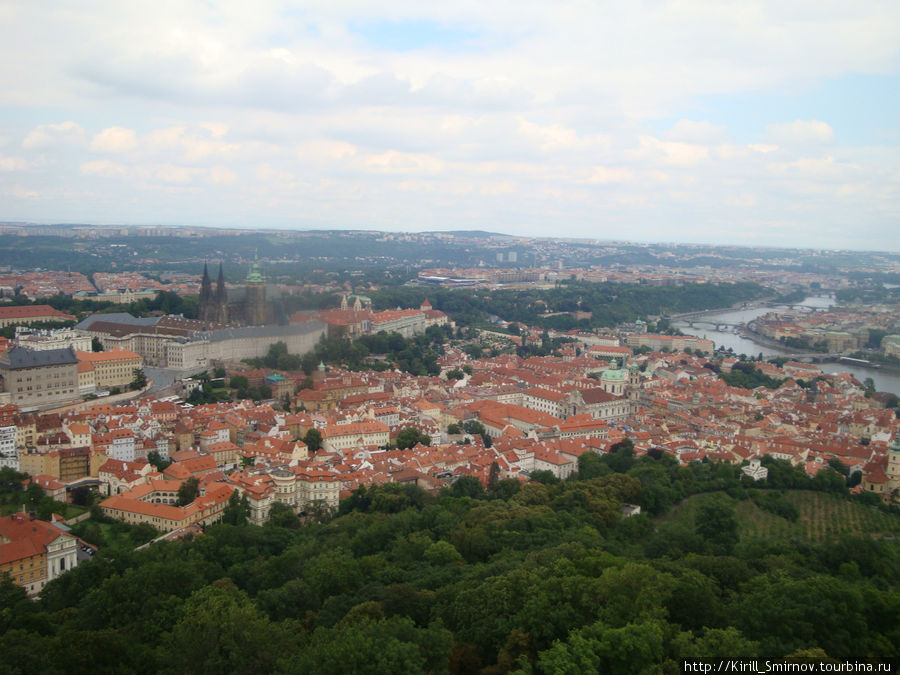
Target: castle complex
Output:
[(253, 304)]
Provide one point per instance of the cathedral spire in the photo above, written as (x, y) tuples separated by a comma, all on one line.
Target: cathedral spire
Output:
[(220, 285), (205, 285)]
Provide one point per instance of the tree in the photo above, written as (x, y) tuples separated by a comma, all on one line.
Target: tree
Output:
[(139, 380), (544, 476), (282, 515), (621, 456), (221, 631), (506, 489), (494, 475), (96, 345), (467, 486), (237, 512), (313, 439), (188, 491), (156, 460), (717, 524), (238, 382), (454, 429), (410, 436), (839, 466), (591, 465)]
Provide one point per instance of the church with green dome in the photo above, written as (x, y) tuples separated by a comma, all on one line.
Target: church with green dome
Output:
[(614, 380)]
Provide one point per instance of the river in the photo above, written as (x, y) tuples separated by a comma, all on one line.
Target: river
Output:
[(884, 381)]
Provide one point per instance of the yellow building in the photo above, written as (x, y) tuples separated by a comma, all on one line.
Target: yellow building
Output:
[(146, 504), (354, 435), (34, 552), (114, 368), (66, 465)]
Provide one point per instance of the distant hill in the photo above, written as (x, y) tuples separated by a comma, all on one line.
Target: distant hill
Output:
[(478, 234)]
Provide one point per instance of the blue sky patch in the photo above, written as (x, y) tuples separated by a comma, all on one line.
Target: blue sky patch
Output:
[(862, 109), (403, 36)]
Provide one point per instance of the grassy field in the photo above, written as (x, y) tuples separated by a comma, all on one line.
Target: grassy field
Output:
[(822, 516)]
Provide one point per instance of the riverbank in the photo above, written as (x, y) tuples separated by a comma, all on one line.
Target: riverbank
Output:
[(819, 357), (749, 333), (742, 341)]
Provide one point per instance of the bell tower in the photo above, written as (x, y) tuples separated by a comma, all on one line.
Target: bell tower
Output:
[(255, 298)]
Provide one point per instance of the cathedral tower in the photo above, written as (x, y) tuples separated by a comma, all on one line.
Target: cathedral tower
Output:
[(255, 298), (221, 298), (206, 309)]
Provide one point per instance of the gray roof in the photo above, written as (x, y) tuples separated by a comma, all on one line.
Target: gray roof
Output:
[(118, 317), (19, 357)]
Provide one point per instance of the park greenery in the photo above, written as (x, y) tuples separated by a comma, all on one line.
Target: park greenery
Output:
[(417, 355), (746, 375), (609, 303), (544, 577), (16, 496)]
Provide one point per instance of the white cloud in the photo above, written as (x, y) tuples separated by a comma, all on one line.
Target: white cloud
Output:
[(103, 167), (404, 162), (12, 163), (668, 152), (702, 132), (22, 192), (604, 174), (48, 135), (222, 175), (802, 132), (114, 140), (171, 173), (815, 167), (325, 150), (254, 111)]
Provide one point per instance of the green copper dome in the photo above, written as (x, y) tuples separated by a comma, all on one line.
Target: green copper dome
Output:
[(613, 373), (255, 276)]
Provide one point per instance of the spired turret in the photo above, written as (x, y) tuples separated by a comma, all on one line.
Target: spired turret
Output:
[(205, 286), (207, 310), (220, 286), (221, 298)]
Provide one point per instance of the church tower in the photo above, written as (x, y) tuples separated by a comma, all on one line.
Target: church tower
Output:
[(255, 298), (221, 298), (206, 308), (893, 467)]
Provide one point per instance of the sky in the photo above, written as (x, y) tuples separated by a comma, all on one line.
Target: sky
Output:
[(772, 123)]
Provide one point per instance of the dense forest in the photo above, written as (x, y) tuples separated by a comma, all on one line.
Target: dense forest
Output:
[(547, 577)]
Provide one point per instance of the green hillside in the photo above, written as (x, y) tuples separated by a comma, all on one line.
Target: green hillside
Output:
[(821, 516), (542, 578)]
